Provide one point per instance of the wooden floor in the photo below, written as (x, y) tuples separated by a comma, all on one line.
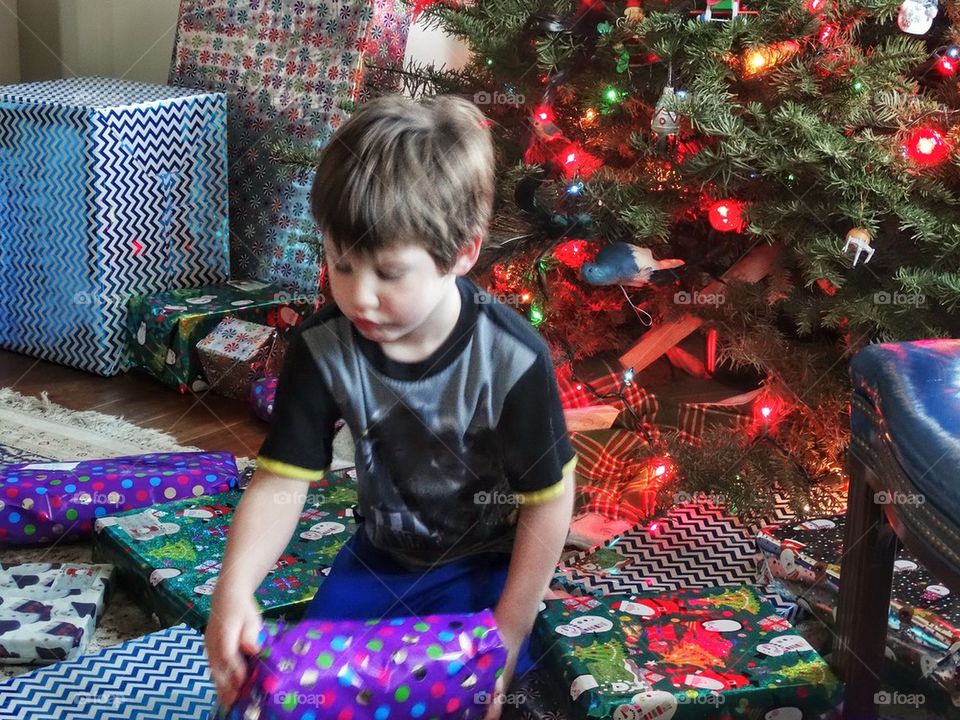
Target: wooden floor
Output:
[(206, 420)]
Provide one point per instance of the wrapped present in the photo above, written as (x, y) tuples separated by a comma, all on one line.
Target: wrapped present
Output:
[(51, 502), (162, 676), (169, 556), (164, 328), (807, 557), (262, 394), (924, 618), (48, 611), (108, 192), (438, 666), (236, 353), (696, 544), (292, 71), (709, 654), (619, 473), (603, 381)]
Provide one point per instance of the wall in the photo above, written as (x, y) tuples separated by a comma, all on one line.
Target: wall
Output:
[(130, 39), (133, 39), (9, 47)]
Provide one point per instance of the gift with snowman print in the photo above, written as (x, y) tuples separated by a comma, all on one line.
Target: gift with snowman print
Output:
[(168, 557), (704, 654)]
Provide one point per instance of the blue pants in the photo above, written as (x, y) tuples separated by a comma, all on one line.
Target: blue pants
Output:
[(365, 583)]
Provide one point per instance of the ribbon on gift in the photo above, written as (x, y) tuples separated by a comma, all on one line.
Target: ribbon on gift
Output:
[(438, 666)]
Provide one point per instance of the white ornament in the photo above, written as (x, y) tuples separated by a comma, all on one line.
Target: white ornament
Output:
[(916, 16), (860, 239), (665, 122)]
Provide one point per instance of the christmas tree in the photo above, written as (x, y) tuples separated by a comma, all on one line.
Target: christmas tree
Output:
[(782, 173)]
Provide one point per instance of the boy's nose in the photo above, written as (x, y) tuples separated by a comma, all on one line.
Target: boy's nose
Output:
[(365, 295)]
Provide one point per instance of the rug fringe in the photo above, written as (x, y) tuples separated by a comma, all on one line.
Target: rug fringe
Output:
[(115, 427)]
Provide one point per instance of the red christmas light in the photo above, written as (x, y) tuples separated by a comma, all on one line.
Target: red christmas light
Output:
[(767, 411), (946, 66), (727, 216), (572, 253), (575, 161), (816, 6), (544, 113), (926, 146), (827, 32)]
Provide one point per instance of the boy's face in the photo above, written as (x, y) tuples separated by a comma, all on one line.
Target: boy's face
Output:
[(392, 296)]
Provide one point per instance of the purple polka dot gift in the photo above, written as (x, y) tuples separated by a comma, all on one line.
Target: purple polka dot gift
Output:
[(437, 666), (262, 394), (43, 503)]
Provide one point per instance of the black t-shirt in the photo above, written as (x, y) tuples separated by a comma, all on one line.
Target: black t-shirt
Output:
[(446, 448)]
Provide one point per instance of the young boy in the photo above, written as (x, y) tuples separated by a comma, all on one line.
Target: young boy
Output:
[(463, 462)]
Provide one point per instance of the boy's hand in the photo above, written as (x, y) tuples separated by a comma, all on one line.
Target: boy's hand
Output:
[(512, 640), (232, 632)]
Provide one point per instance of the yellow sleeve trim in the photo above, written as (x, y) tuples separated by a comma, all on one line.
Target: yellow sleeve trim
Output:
[(291, 471), (547, 494)]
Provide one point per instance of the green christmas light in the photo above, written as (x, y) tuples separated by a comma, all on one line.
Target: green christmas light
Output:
[(612, 95), (489, 62), (857, 86), (536, 315)]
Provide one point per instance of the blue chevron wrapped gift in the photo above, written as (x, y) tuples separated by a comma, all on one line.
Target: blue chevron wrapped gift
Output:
[(108, 188), (161, 676)]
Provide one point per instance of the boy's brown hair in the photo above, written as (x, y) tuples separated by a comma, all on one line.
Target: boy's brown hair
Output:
[(405, 171)]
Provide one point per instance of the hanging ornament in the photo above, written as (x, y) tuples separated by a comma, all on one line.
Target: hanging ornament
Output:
[(621, 263), (926, 146), (720, 11), (665, 122), (860, 238), (916, 16), (633, 12), (727, 216)]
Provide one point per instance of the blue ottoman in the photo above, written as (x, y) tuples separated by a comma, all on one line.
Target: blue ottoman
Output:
[(904, 462)]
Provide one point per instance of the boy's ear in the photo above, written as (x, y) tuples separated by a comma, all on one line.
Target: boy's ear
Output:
[(467, 257)]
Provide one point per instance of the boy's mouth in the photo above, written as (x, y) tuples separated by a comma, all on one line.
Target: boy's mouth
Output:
[(365, 326)]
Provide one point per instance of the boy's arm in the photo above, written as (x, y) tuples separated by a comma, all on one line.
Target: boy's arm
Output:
[(541, 532), (262, 526)]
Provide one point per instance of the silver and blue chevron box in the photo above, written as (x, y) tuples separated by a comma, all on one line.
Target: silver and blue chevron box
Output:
[(108, 188), (161, 676)]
